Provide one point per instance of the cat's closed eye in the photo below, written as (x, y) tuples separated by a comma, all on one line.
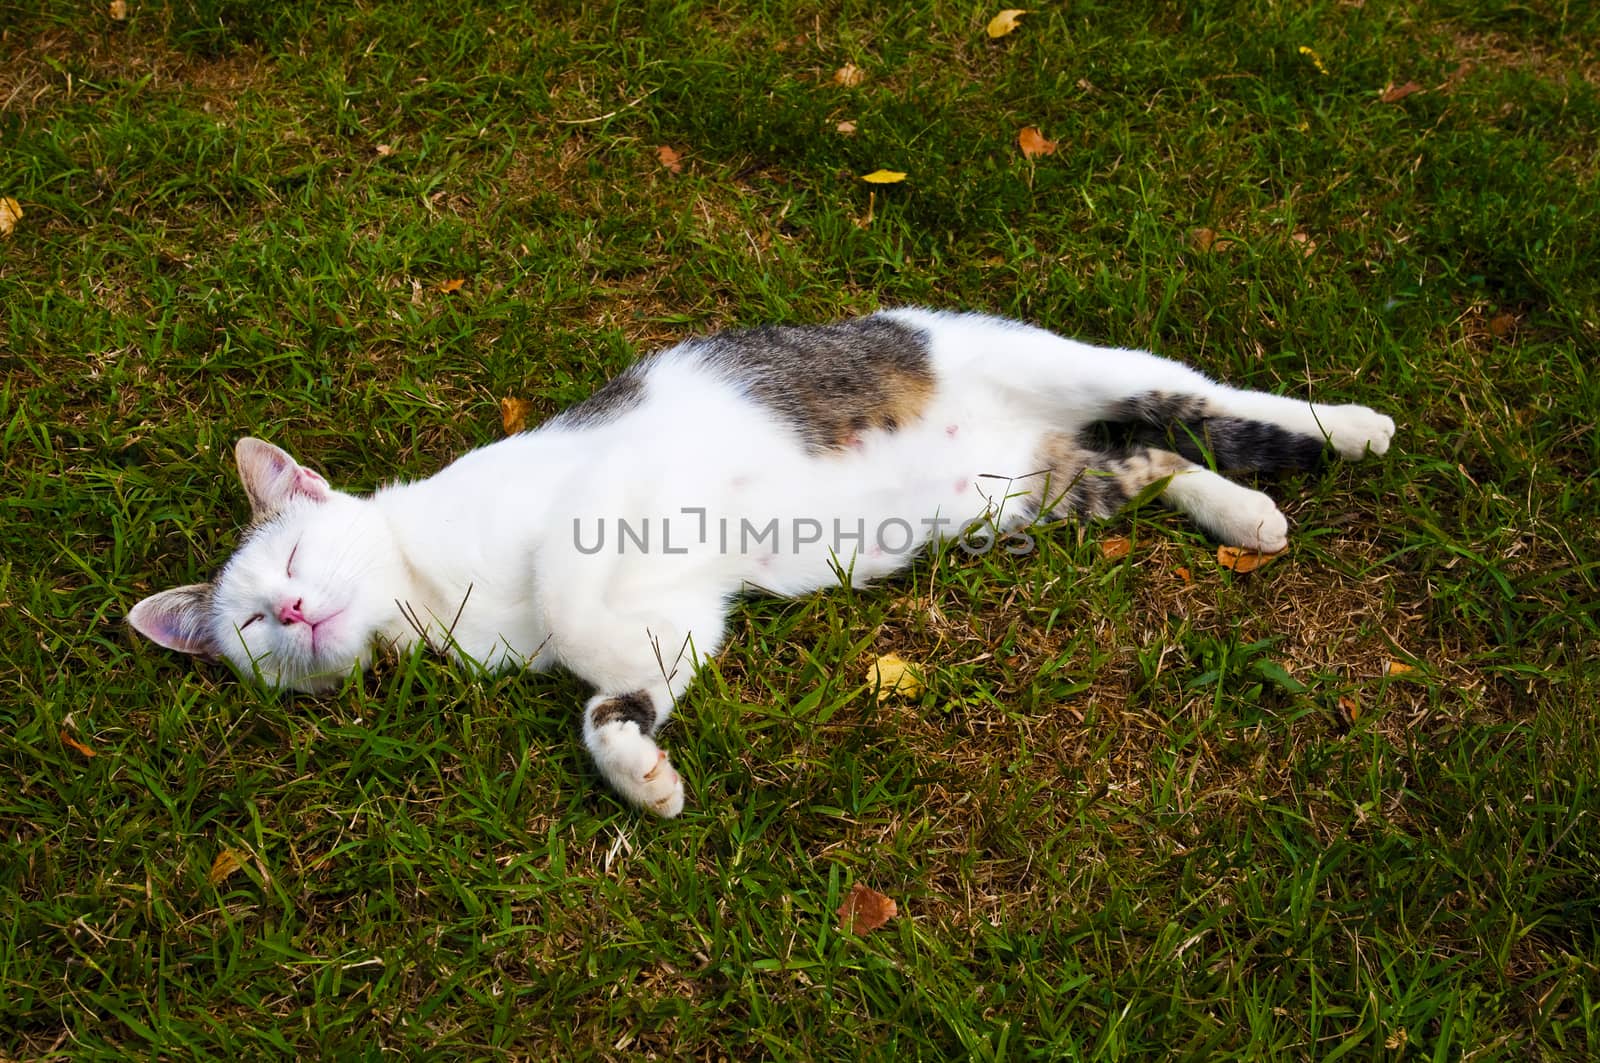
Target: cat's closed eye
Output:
[(253, 619), (288, 567)]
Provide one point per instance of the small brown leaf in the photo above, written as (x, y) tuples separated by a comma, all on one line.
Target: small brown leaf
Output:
[(669, 158), (1115, 547), (849, 76), (1241, 560), (227, 862), (890, 677), (1393, 93), (1350, 707), (10, 214), (1501, 325), (1184, 574), (514, 414), (1308, 246), (1034, 144), (1205, 240), (452, 285), (883, 177), (865, 910), (118, 10), (1005, 22), (1399, 668), (846, 128), (67, 739)]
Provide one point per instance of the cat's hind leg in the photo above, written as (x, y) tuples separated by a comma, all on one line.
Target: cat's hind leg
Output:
[(1082, 482)]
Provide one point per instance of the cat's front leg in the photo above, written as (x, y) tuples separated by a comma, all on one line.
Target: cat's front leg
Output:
[(640, 662), (619, 730)]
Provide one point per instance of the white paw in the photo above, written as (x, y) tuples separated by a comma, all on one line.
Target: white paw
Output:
[(1356, 430), (637, 768), (1254, 522)]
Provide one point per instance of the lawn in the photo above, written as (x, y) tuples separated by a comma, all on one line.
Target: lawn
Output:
[(1347, 805)]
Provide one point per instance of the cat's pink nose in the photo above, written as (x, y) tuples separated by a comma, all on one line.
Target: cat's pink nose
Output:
[(291, 614)]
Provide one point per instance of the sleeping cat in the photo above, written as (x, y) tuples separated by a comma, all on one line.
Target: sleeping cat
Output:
[(612, 539)]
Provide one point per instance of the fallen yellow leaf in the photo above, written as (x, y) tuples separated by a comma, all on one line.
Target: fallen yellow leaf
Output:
[(514, 414), (1239, 559), (889, 675), (118, 9), (227, 862), (10, 214), (1351, 707), (1005, 22), (883, 177), (670, 158), (1399, 668), (1115, 547), (849, 76), (865, 910), (1034, 144), (452, 285), (67, 739)]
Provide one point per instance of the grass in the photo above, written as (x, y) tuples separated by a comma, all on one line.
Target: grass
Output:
[(1133, 815)]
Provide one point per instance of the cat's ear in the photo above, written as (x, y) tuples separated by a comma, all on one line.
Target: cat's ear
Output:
[(179, 619), (271, 477)]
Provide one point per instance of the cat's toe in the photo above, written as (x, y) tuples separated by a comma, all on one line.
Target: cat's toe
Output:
[(1357, 431)]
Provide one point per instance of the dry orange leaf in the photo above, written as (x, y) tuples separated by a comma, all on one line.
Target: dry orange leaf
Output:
[(865, 910), (1115, 547), (849, 76), (1241, 560), (1500, 325), (1005, 22), (669, 158), (1205, 240), (10, 214), (67, 739), (1351, 707), (883, 177), (846, 127), (514, 414), (1184, 574), (227, 862), (452, 285), (1034, 144), (1399, 668), (1396, 93), (891, 676)]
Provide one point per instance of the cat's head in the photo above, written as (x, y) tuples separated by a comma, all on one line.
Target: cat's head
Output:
[(307, 594)]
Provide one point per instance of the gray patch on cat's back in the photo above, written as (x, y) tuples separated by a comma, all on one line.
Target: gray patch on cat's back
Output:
[(831, 383), (621, 394)]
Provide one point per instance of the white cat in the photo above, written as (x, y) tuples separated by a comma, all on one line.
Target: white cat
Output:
[(612, 539)]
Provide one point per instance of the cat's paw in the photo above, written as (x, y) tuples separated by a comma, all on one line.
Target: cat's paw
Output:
[(1356, 431), (1254, 522), (637, 768)]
